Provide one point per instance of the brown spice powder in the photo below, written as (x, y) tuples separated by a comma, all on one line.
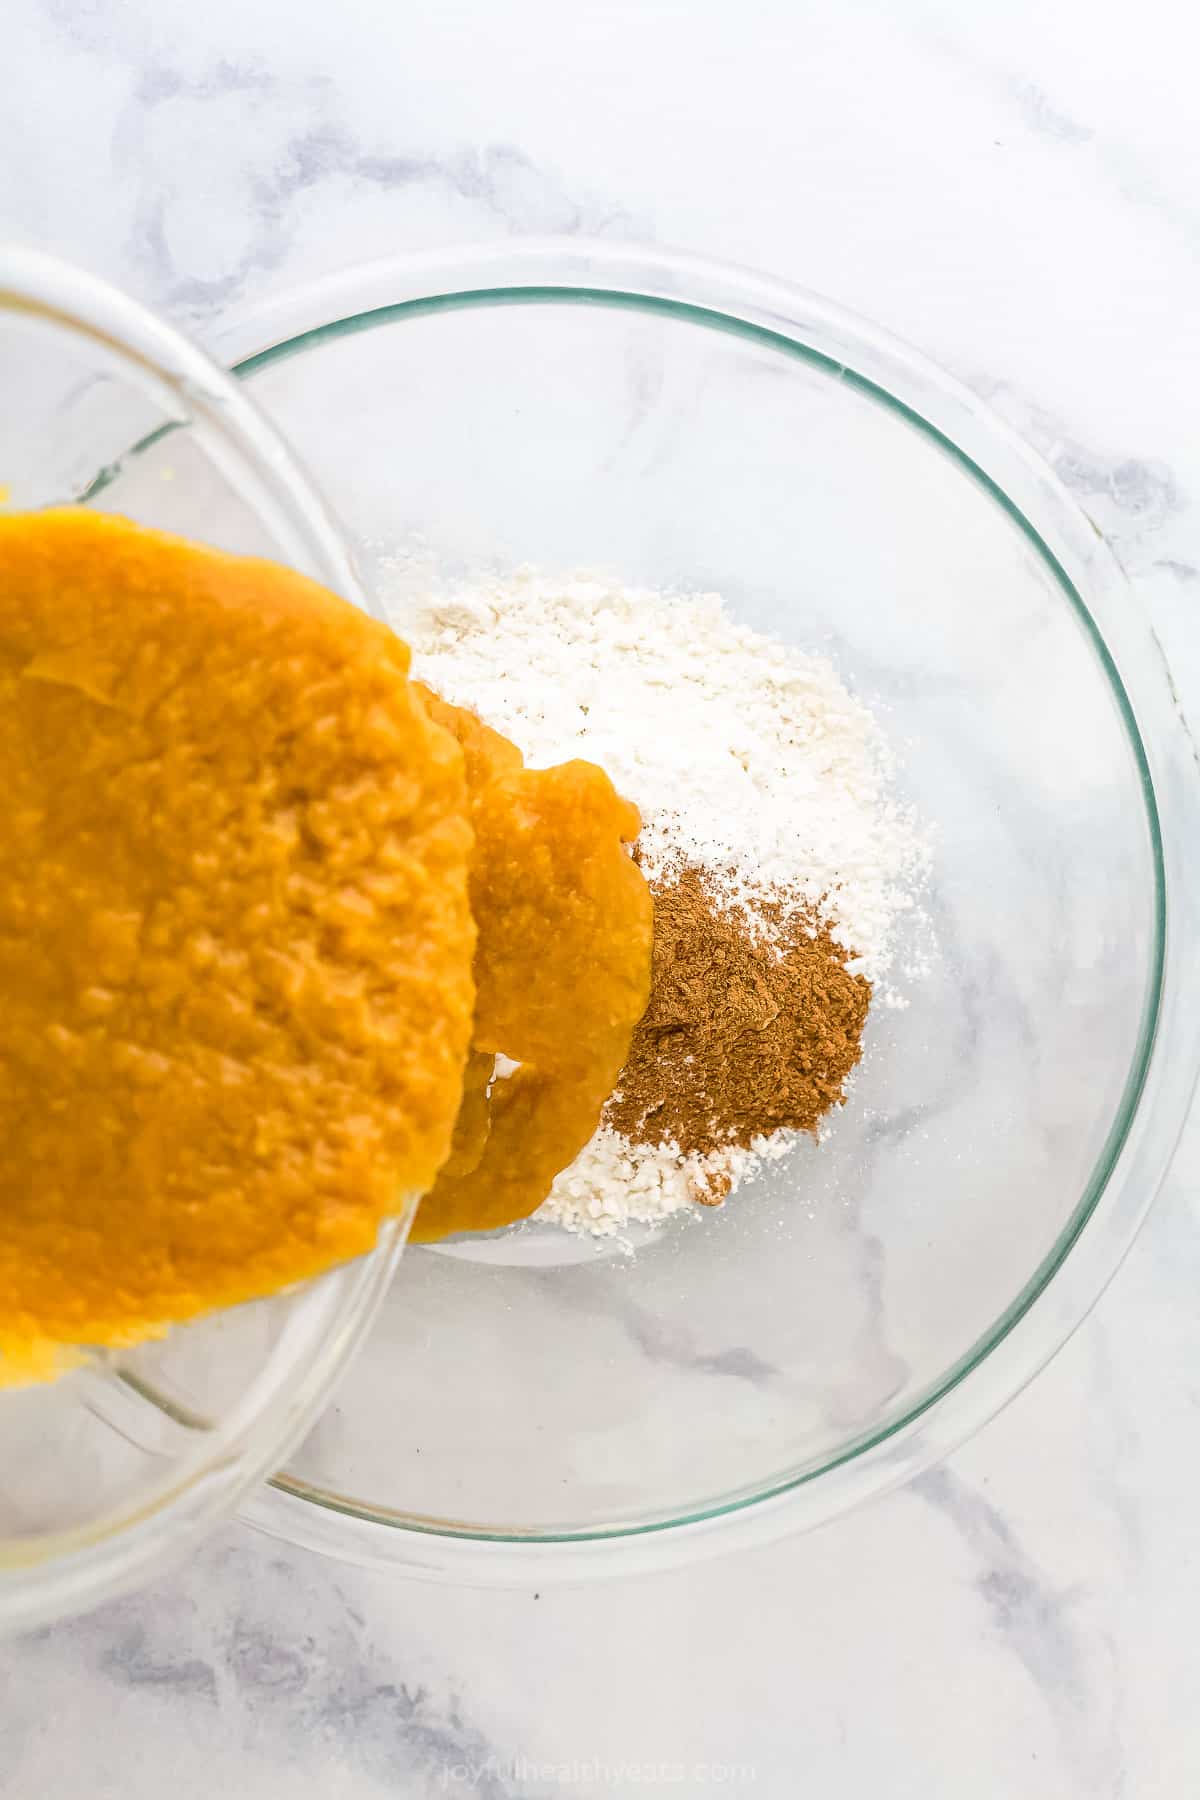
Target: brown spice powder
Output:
[(741, 1037)]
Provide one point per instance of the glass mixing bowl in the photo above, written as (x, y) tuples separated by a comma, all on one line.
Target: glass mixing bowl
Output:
[(531, 1404), (122, 1465)]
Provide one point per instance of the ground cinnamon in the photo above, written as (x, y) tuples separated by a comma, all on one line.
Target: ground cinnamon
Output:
[(748, 1030)]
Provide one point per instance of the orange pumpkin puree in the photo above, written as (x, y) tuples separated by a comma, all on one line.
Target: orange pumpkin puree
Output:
[(235, 937), (562, 970)]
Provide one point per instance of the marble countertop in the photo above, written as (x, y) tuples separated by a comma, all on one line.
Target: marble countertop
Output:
[(1017, 190)]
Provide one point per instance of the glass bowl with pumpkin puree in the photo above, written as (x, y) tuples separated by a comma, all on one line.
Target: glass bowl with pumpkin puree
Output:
[(129, 1457)]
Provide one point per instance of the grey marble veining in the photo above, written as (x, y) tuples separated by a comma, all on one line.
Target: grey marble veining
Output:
[(1017, 191)]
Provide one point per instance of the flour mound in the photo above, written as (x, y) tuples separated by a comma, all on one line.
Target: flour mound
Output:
[(748, 759)]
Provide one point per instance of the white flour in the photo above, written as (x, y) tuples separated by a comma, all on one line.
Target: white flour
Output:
[(746, 758), (613, 1183)]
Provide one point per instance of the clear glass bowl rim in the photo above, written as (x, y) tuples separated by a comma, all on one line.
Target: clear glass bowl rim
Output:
[(1060, 1292)]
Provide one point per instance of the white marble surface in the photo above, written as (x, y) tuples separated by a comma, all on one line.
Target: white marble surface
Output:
[(1016, 189)]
